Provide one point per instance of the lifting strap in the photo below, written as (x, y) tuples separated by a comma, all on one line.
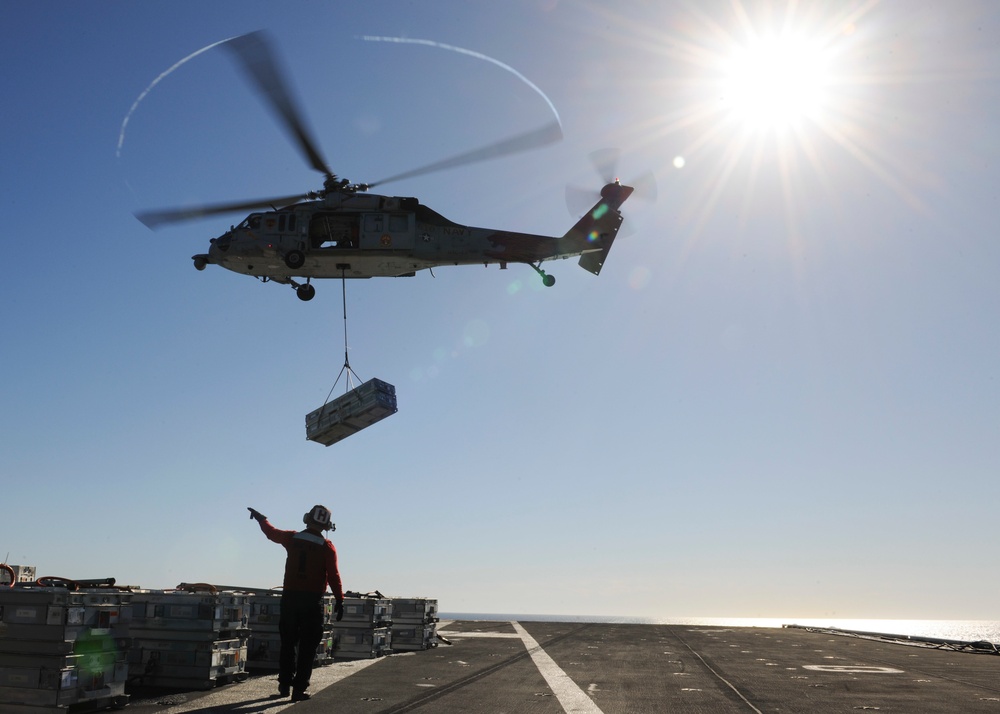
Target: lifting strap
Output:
[(349, 384)]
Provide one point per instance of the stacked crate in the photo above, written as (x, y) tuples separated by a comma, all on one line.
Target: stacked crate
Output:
[(365, 631), (265, 639), (19, 573), (189, 639), (61, 647), (414, 624)]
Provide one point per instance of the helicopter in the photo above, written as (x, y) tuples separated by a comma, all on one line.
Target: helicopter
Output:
[(343, 231)]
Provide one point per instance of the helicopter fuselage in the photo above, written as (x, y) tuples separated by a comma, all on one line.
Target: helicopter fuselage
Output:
[(361, 235), (342, 231)]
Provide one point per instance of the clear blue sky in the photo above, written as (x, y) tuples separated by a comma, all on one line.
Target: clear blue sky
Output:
[(780, 398)]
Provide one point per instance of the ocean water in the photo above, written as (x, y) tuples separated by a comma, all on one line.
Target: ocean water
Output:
[(964, 630)]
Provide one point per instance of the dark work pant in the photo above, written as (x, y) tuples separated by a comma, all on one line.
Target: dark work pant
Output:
[(301, 628)]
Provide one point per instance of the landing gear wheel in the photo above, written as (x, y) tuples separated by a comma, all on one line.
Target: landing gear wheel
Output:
[(295, 259), (547, 280), (305, 292)]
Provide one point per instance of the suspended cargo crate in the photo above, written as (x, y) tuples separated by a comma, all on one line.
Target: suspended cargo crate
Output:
[(360, 408)]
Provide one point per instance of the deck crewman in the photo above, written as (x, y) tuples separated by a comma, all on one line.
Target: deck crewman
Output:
[(311, 565)]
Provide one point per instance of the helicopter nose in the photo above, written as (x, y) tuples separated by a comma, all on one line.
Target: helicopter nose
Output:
[(222, 242)]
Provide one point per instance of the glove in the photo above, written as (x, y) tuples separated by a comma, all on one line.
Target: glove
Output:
[(338, 610), (256, 515)]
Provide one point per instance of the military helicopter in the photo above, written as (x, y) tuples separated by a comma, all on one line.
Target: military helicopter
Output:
[(342, 231)]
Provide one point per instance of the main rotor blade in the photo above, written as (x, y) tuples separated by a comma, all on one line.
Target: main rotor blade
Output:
[(254, 54), (155, 219), (548, 134)]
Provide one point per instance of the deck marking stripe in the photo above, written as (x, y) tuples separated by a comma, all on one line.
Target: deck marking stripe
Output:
[(570, 696)]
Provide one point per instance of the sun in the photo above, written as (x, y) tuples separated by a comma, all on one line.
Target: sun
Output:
[(772, 82), (766, 105)]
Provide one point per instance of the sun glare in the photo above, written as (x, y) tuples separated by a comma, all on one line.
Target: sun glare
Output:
[(770, 100), (774, 82)]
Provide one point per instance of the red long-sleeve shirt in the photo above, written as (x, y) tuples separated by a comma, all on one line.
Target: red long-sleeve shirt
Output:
[(311, 564)]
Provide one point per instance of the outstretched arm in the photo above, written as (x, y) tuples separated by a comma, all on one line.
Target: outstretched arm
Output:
[(272, 533)]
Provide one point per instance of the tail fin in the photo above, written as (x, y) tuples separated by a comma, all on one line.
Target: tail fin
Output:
[(594, 234)]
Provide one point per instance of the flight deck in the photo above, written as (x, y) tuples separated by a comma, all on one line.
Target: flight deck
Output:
[(593, 668)]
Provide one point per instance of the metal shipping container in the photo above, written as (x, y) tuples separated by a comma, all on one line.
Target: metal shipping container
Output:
[(189, 639), (352, 642), (22, 573), (264, 645), (60, 648), (178, 663), (411, 610), (363, 612), (360, 408), (413, 636), (222, 614), (264, 649)]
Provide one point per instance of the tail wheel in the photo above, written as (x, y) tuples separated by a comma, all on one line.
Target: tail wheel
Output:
[(305, 292), (295, 259), (547, 280)]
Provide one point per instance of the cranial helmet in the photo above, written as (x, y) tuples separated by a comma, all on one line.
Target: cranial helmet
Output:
[(319, 517)]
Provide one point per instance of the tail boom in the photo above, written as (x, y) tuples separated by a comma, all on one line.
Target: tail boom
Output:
[(594, 234)]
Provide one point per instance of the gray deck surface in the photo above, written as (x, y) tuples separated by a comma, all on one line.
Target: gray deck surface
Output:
[(550, 668)]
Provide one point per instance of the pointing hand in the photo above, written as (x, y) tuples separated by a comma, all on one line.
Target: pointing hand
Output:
[(256, 515)]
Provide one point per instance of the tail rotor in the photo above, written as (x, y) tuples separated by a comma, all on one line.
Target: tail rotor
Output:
[(605, 162)]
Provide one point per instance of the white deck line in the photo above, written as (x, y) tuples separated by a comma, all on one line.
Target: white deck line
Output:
[(573, 699)]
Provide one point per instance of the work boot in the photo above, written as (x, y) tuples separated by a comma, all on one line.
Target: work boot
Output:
[(299, 696)]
